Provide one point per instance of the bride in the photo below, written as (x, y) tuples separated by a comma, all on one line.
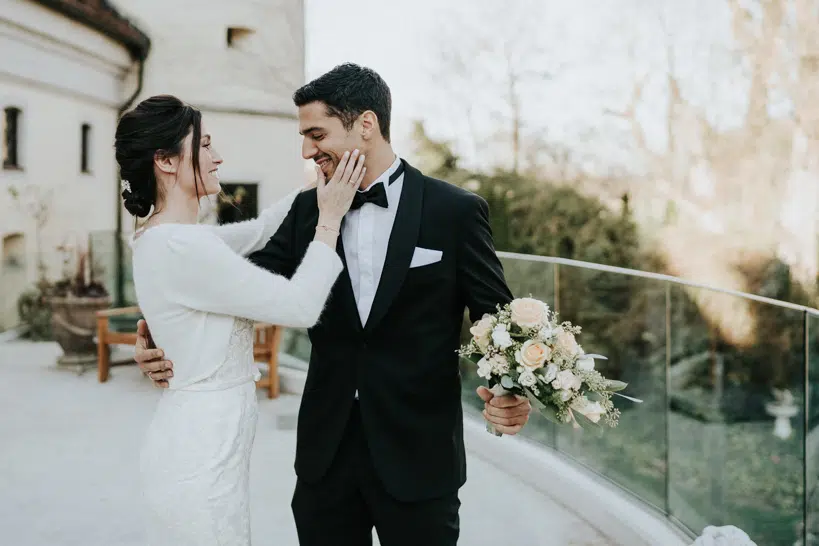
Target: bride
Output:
[(201, 298)]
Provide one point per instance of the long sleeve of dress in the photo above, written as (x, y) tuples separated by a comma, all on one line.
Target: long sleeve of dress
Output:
[(205, 274), (249, 236)]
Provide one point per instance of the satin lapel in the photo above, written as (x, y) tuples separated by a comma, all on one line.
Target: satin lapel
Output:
[(345, 289)]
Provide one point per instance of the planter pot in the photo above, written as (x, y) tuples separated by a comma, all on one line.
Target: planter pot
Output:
[(74, 324)]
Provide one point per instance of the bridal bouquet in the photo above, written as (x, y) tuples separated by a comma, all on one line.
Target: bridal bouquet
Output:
[(522, 349)]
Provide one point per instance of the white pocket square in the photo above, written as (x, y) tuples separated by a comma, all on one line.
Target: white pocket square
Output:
[(425, 256)]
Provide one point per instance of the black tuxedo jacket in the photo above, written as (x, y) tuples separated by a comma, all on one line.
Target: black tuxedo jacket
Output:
[(403, 361)]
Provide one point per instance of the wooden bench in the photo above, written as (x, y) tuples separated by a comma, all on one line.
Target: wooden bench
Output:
[(106, 338), (266, 343)]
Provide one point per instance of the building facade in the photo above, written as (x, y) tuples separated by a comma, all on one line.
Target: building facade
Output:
[(70, 68)]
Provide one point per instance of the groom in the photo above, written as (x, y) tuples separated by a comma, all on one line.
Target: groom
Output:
[(380, 430)]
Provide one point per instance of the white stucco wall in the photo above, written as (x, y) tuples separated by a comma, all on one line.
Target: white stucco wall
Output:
[(61, 75)]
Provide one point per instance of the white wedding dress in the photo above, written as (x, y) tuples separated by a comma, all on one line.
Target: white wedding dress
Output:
[(200, 299)]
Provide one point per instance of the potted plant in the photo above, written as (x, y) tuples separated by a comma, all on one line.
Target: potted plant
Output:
[(74, 302)]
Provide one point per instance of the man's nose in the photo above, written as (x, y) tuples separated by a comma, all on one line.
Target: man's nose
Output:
[(308, 149)]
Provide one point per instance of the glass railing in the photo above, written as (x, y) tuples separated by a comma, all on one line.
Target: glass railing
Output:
[(727, 384), (727, 381), (811, 447), (724, 376)]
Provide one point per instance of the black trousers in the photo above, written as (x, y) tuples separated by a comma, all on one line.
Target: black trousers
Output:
[(343, 508)]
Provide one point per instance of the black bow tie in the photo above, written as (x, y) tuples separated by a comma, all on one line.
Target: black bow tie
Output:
[(377, 195)]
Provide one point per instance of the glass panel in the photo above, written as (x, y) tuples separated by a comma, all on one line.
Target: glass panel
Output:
[(526, 278), (103, 249), (104, 261), (623, 318), (736, 415), (296, 343), (104, 266), (812, 447), (530, 278)]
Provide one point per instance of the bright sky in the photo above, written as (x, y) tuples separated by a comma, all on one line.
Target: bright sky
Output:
[(594, 50), (388, 40)]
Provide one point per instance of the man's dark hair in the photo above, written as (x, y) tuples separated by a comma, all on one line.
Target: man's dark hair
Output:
[(349, 90)]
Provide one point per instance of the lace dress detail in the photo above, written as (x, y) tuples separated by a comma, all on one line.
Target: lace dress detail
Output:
[(196, 459), (238, 365)]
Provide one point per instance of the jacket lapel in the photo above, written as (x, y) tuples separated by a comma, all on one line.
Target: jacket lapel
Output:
[(403, 238), (345, 289)]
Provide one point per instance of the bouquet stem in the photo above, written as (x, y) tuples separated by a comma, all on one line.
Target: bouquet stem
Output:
[(497, 390)]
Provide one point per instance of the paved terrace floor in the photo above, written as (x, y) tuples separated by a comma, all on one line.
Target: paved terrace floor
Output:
[(69, 462)]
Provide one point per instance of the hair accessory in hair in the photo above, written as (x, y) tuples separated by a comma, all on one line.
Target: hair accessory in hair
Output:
[(126, 186)]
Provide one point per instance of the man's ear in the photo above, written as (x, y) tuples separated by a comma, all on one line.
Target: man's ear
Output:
[(369, 125)]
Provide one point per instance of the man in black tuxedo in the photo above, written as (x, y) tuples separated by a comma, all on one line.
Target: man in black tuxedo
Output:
[(380, 430)]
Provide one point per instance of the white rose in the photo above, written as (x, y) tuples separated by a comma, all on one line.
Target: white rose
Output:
[(533, 354), (480, 332), (550, 373), (585, 364), (527, 379), (501, 337), (591, 410), (528, 312), (484, 368), (566, 343), (566, 380), (566, 395)]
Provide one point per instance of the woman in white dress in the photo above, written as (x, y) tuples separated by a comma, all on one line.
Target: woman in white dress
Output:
[(201, 297)]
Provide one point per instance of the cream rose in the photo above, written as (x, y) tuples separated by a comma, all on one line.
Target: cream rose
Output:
[(566, 343), (481, 332), (528, 312), (533, 355)]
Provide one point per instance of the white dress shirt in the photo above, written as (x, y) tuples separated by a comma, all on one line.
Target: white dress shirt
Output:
[(366, 236), (365, 233)]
